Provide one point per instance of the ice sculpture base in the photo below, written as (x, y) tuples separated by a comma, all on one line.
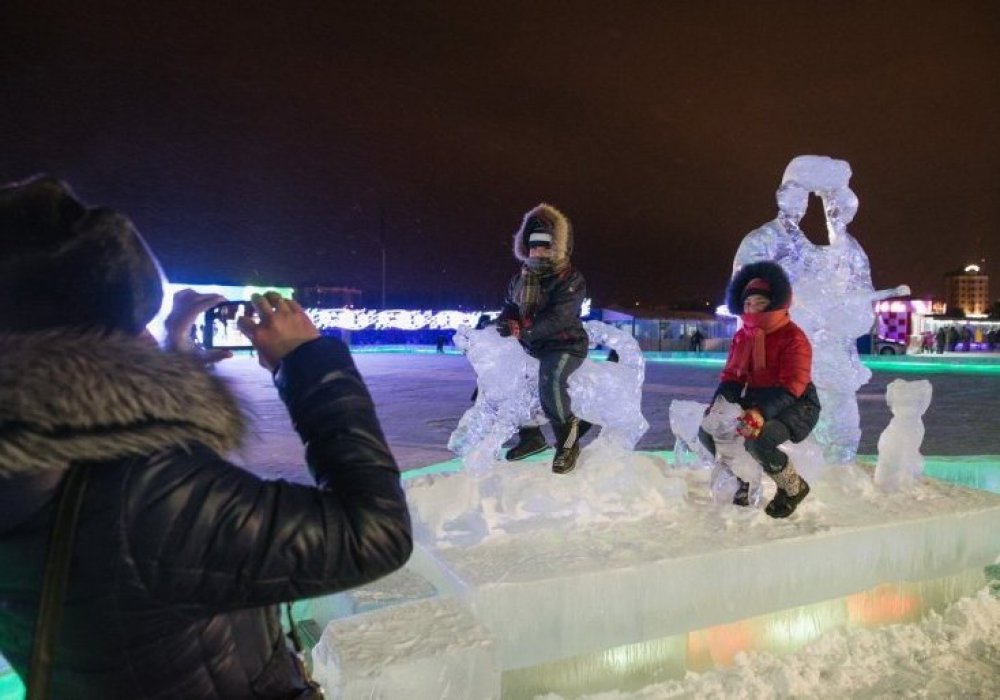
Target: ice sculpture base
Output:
[(585, 585)]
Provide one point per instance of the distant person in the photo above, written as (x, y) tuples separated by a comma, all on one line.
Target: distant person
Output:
[(940, 340), (542, 310), (696, 340), (177, 559), (439, 344), (769, 373), (952, 338)]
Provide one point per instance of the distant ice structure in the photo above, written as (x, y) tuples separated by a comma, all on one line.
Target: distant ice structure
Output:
[(685, 419), (833, 297), (732, 460), (607, 394), (899, 458)]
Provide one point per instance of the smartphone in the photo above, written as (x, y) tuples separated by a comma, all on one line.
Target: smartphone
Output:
[(221, 331)]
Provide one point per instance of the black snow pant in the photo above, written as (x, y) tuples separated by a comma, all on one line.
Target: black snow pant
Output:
[(763, 448), (553, 375)]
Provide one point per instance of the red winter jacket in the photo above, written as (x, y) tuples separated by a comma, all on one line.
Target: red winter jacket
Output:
[(783, 387)]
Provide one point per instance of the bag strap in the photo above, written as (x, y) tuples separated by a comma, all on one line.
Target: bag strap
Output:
[(54, 580)]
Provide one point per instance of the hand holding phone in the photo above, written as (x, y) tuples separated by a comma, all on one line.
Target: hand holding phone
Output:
[(282, 327)]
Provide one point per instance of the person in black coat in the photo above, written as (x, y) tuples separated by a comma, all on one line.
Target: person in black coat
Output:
[(542, 310), (179, 558)]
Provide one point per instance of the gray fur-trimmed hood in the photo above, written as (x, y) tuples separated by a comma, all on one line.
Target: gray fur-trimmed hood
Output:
[(558, 223), (68, 396)]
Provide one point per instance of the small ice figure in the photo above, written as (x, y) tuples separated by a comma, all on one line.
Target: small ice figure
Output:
[(899, 458), (833, 293), (685, 419), (732, 460), (607, 394)]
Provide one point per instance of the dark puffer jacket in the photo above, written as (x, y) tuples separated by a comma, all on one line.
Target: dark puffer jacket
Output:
[(556, 325), (181, 557)]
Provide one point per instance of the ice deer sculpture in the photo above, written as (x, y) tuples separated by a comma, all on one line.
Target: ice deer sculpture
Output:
[(607, 394)]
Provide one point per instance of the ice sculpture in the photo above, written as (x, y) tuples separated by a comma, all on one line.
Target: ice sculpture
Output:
[(833, 293), (685, 419), (608, 394), (899, 458), (731, 457)]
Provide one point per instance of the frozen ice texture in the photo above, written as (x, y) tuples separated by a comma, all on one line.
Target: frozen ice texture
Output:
[(899, 458), (732, 460), (578, 564), (427, 649), (473, 507), (685, 419), (608, 394), (833, 295)]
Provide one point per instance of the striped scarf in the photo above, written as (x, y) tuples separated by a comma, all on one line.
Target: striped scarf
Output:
[(528, 293)]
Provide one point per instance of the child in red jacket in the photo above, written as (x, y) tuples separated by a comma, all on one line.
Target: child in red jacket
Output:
[(769, 373)]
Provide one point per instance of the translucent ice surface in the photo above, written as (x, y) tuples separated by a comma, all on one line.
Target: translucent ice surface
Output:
[(608, 394), (899, 458)]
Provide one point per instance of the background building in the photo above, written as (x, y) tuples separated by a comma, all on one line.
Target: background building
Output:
[(968, 290)]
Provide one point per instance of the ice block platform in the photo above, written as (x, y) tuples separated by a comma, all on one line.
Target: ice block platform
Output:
[(549, 577)]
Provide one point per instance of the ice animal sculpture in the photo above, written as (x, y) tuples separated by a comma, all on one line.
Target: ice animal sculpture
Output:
[(607, 394), (685, 419), (833, 294), (899, 459), (731, 457)]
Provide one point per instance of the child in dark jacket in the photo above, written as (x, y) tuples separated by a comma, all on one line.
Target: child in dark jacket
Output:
[(769, 373), (542, 310)]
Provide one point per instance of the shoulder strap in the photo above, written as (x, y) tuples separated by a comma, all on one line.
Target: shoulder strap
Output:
[(54, 579)]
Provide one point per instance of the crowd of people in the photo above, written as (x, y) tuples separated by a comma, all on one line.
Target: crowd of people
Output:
[(953, 339)]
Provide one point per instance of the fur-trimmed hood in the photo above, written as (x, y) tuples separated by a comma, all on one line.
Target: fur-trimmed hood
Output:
[(781, 288), (558, 223), (68, 396)]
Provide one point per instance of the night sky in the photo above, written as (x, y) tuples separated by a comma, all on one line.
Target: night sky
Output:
[(267, 145)]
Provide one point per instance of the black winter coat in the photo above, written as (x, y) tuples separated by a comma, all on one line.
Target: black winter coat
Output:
[(180, 557), (556, 325)]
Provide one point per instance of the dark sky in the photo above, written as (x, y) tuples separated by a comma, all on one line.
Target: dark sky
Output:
[(263, 145)]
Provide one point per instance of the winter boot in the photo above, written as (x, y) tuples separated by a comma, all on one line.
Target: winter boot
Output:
[(792, 488), (567, 446), (530, 441), (742, 497)]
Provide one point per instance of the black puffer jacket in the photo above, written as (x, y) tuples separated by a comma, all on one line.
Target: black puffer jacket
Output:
[(181, 557), (556, 325)]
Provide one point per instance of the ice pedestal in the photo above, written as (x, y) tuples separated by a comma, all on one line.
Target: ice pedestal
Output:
[(426, 649), (582, 588)]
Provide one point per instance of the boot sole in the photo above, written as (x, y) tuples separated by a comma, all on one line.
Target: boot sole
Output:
[(526, 454)]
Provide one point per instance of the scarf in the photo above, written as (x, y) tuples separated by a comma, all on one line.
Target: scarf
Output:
[(753, 353), (528, 294)]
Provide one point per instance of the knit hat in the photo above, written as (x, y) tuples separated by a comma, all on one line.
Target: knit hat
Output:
[(757, 286), (537, 231), (63, 264)]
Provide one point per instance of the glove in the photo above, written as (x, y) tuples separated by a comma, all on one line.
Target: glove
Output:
[(750, 424), (509, 327)]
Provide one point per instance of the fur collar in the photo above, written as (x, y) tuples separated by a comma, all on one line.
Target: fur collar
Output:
[(562, 233), (68, 396)]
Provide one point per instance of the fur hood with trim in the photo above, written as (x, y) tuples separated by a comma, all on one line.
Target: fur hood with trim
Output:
[(781, 287), (94, 396), (562, 233)]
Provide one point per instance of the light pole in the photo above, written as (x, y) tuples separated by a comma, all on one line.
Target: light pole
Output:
[(381, 243)]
